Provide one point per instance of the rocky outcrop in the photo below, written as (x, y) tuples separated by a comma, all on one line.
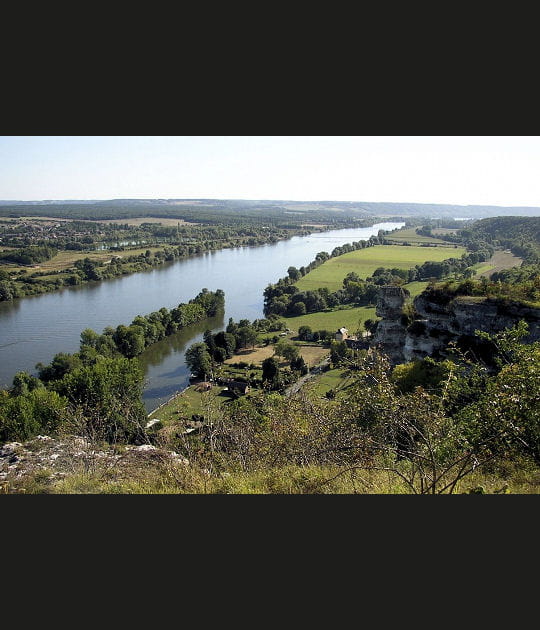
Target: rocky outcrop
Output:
[(389, 337), (56, 458), (444, 318)]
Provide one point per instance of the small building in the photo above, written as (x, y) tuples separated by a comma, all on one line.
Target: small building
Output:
[(342, 334)]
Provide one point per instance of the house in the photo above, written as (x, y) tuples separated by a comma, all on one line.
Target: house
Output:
[(342, 334)]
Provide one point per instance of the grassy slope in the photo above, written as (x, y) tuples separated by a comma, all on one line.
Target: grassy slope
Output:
[(365, 261)]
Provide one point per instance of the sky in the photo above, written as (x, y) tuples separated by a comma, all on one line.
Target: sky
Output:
[(463, 170)]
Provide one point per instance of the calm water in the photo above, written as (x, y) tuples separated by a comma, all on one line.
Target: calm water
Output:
[(34, 329)]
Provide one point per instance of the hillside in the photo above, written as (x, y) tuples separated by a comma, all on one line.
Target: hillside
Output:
[(519, 234), (213, 209)]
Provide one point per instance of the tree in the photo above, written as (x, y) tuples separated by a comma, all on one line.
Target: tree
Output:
[(219, 355), (61, 364), (271, 373), (371, 325), (246, 336), (24, 416), (284, 348), (6, 291), (299, 365), (304, 333), (208, 339), (24, 383), (129, 340), (227, 341), (338, 352), (199, 360), (298, 308), (294, 274), (106, 399)]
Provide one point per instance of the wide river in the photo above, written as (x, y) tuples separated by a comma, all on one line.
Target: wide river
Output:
[(34, 329)]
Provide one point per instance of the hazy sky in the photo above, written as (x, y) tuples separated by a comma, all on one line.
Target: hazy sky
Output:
[(485, 170)]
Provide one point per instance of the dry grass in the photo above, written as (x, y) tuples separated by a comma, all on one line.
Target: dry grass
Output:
[(312, 354), (66, 259), (252, 355)]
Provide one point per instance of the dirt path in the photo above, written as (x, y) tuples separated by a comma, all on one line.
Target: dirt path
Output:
[(313, 372)]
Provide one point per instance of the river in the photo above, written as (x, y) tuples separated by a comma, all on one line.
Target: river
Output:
[(34, 329)]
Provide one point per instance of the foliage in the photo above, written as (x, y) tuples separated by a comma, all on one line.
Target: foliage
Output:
[(427, 373), (25, 415), (199, 360), (284, 348), (106, 399), (28, 255)]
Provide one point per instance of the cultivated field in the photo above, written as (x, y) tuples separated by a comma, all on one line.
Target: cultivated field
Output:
[(66, 259), (499, 261), (365, 261), (409, 235), (312, 354)]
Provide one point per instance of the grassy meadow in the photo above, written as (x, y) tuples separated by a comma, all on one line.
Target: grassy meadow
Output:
[(409, 235), (365, 261), (352, 318)]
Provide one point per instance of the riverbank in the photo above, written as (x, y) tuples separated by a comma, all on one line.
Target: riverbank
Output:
[(75, 268), (35, 329)]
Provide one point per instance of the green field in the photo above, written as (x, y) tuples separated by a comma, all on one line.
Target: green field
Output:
[(410, 236), (415, 288), (351, 318), (483, 268), (364, 262), (335, 379)]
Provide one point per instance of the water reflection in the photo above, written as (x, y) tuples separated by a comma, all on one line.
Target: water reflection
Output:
[(158, 352), (34, 329), (166, 363)]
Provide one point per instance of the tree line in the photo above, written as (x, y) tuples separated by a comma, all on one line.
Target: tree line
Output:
[(285, 299), (96, 391)]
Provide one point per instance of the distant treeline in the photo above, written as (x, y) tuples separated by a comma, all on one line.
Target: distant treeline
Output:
[(21, 284), (209, 212), (263, 206)]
